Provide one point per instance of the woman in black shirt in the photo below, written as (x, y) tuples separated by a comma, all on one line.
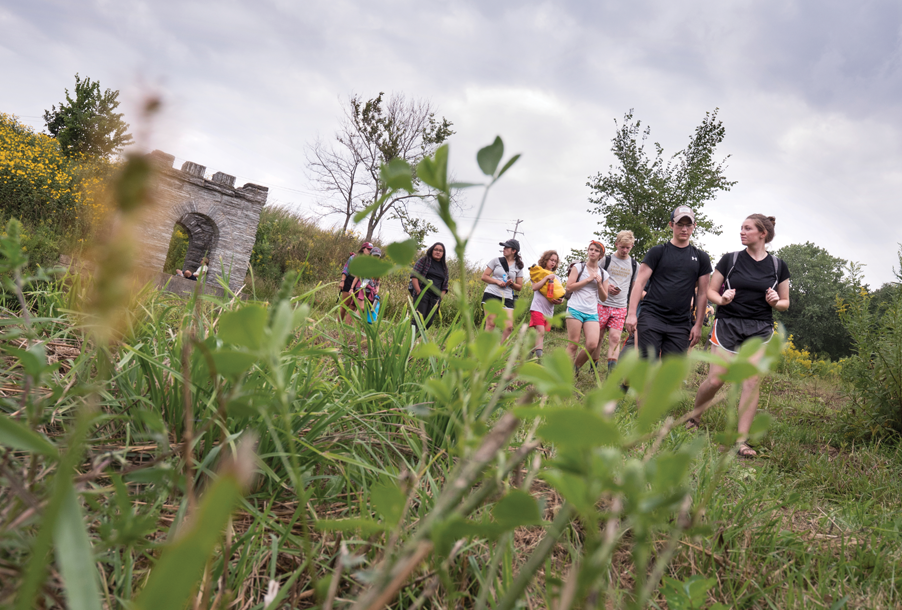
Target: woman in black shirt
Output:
[(755, 284), (431, 267)]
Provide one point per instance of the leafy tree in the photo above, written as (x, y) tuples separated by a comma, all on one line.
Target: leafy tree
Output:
[(417, 229), (371, 134), (817, 280), (88, 124), (641, 191)]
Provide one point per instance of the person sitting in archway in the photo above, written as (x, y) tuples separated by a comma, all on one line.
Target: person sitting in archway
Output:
[(189, 276)]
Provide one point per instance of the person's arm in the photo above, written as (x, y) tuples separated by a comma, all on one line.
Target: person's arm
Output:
[(779, 298), (542, 282), (517, 284), (642, 278), (713, 291), (604, 287), (701, 303), (416, 285), (488, 279)]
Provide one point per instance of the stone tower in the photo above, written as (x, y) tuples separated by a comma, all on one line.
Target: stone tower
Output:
[(221, 220)]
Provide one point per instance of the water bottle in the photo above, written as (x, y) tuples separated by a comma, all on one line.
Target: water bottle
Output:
[(504, 277)]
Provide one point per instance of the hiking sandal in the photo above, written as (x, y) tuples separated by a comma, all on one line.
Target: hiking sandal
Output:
[(746, 452), (692, 424)]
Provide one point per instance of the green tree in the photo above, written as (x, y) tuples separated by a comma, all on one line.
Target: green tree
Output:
[(371, 134), (89, 124), (641, 191), (817, 280)]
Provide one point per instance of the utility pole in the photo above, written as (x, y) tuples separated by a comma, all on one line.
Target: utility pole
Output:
[(515, 231)]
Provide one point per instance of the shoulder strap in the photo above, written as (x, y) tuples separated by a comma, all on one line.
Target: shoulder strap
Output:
[(607, 262), (629, 292), (776, 271), (732, 265), (503, 262)]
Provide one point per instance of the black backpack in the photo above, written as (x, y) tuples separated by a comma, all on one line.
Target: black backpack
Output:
[(726, 280), (629, 293)]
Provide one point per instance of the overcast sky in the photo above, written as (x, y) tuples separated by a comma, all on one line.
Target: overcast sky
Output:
[(810, 94)]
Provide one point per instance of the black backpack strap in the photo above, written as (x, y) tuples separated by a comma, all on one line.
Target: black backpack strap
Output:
[(776, 271), (732, 265), (629, 293), (607, 262), (504, 265)]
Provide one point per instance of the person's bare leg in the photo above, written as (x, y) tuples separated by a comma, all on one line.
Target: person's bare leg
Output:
[(574, 327), (591, 330), (596, 354), (490, 322), (614, 335), (708, 389), (748, 399), (540, 338), (508, 324)]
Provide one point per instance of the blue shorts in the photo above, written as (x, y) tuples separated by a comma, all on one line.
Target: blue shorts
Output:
[(582, 317)]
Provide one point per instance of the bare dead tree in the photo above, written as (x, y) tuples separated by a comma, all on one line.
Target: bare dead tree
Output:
[(372, 133)]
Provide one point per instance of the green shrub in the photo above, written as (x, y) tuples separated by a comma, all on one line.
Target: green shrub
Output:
[(874, 371)]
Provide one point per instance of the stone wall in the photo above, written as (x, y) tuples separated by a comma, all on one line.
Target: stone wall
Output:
[(221, 220)]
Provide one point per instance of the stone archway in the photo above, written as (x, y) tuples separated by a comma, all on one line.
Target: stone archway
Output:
[(220, 219)]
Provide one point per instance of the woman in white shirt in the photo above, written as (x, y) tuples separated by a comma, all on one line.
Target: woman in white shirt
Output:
[(501, 284), (587, 282)]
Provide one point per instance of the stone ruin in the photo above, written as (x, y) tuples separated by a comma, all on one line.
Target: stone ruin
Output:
[(220, 219)]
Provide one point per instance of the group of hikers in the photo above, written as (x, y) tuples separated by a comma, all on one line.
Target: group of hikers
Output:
[(661, 302)]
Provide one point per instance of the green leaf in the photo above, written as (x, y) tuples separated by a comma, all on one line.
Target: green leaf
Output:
[(464, 185), (494, 307), (438, 389), (388, 500), (739, 371), (760, 425), (231, 363), (487, 346), (181, 565), (33, 360), (489, 157), (663, 393), (577, 428), (16, 435), (369, 266), (281, 325), (426, 350), (74, 554), (402, 252), (365, 526), (517, 508), (397, 174), (574, 489), (434, 170), (244, 326), (508, 165)]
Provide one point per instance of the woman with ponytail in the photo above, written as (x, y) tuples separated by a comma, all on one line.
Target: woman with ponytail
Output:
[(503, 276), (755, 283)]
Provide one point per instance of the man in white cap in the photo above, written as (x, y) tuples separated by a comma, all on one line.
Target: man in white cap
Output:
[(676, 269)]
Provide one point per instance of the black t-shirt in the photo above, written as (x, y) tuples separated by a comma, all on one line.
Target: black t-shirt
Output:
[(751, 279), (437, 275), (675, 272)]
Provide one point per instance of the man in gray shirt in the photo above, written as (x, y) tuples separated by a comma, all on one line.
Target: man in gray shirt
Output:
[(612, 313)]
